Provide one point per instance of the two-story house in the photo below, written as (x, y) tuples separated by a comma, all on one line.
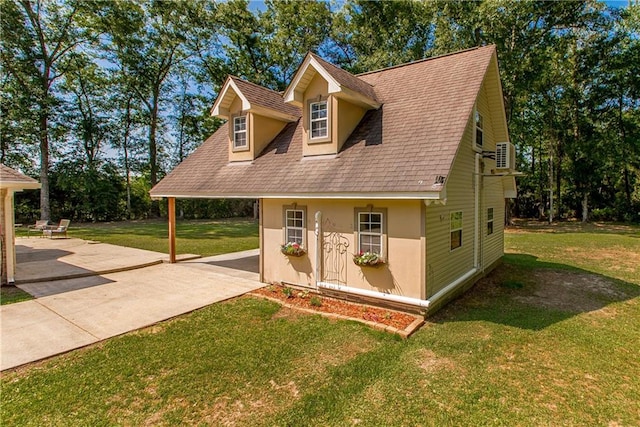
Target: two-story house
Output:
[(408, 166)]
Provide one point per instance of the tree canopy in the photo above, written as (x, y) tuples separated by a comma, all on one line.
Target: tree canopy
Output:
[(104, 98)]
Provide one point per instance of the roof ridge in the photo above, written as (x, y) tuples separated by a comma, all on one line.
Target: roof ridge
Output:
[(417, 61), (232, 76)]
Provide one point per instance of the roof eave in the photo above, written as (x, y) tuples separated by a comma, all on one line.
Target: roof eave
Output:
[(20, 185), (408, 195), (220, 108)]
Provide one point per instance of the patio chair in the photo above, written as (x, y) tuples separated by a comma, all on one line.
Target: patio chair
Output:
[(38, 227), (60, 229)]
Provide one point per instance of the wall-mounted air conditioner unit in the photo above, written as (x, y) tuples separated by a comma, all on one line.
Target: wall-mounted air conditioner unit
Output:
[(505, 156)]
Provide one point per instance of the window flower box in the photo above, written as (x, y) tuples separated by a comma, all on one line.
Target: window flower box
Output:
[(292, 249), (368, 259)]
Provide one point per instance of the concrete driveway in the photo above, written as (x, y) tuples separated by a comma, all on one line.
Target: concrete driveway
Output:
[(75, 312)]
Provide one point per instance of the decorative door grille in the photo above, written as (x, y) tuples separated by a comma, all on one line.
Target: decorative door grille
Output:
[(335, 255)]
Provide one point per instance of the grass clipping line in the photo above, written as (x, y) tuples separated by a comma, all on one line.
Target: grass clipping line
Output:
[(396, 322)]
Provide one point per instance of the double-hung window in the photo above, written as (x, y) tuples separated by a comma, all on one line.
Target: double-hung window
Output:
[(294, 226), (479, 129), (319, 119), (489, 221), (370, 232), (455, 228), (240, 132)]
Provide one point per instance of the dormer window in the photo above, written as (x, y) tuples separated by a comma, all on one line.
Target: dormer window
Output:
[(240, 132), (319, 119), (479, 129)]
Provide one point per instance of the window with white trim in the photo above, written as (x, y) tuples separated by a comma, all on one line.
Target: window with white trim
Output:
[(319, 119), (489, 221), (370, 232), (240, 132), (455, 228), (479, 129), (294, 226)]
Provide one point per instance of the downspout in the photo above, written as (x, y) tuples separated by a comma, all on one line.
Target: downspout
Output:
[(318, 218), (476, 213)]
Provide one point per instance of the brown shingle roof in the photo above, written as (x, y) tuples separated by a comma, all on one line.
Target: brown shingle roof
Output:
[(10, 175), (400, 148), (347, 79), (264, 97)]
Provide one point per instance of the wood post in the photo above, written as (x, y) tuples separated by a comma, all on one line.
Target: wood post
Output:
[(172, 229)]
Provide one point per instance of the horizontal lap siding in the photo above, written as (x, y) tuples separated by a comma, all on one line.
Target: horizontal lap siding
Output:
[(443, 265)]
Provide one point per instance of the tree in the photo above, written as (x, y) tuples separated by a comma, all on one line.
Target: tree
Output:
[(38, 36)]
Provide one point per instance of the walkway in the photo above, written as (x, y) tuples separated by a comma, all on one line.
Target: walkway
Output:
[(73, 313)]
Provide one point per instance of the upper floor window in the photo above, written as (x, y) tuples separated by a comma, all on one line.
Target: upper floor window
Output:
[(240, 132), (479, 129), (319, 119), (455, 229)]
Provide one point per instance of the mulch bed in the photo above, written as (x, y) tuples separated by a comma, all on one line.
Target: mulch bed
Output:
[(390, 320)]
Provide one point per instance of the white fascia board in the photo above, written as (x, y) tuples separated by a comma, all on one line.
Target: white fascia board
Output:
[(339, 196), (218, 110), (309, 61), (289, 95)]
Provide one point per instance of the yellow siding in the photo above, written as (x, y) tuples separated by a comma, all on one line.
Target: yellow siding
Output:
[(349, 117), (265, 129), (402, 275), (317, 90), (443, 265)]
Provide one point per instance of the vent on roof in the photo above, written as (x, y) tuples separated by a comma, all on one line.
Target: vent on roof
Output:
[(505, 156)]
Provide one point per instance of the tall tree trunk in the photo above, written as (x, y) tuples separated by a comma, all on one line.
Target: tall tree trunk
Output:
[(45, 207), (153, 151), (585, 207)]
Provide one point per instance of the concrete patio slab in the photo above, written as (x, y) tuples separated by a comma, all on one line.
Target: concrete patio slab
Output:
[(42, 260), (74, 312), (31, 331)]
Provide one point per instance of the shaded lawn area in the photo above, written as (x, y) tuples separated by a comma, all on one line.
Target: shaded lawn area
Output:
[(201, 237), (504, 354)]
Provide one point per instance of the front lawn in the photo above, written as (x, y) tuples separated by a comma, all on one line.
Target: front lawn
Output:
[(201, 237), (551, 338)]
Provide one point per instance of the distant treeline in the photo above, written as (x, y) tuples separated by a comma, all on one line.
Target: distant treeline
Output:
[(100, 99)]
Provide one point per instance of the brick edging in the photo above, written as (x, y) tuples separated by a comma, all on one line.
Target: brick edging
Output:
[(404, 333)]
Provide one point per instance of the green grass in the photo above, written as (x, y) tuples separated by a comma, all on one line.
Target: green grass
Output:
[(11, 294), (201, 237), (489, 358)]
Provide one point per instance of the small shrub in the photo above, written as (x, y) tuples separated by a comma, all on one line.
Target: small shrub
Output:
[(303, 294), (288, 292), (316, 301)]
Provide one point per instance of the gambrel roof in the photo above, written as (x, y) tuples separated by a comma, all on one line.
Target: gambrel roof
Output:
[(402, 149)]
